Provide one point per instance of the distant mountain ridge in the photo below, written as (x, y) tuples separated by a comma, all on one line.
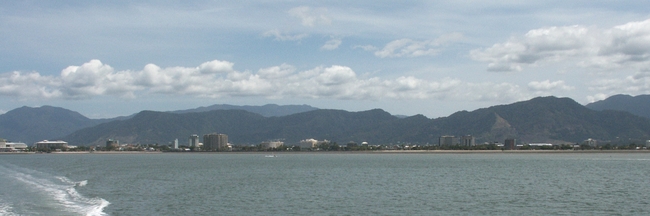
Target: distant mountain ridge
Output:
[(637, 105), (543, 119), (29, 125), (267, 110)]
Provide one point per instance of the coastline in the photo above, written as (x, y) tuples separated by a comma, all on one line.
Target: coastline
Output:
[(365, 152)]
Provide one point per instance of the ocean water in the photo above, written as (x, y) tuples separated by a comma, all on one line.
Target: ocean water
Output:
[(325, 184)]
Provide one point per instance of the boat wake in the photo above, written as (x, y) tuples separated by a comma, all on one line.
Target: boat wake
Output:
[(54, 193)]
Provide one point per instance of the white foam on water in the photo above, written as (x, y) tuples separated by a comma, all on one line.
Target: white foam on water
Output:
[(62, 192), (6, 208)]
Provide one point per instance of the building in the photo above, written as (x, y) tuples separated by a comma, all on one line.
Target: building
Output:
[(446, 140), (467, 140), (175, 144), (46, 144), (308, 143), (215, 141), (591, 142), (510, 144), (112, 143), (647, 143), (194, 141), (12, 146), (271, 144)]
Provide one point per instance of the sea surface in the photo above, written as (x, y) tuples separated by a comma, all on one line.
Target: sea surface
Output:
[(325, 184)]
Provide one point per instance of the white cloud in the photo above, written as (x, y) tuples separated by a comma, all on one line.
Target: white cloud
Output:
[(596, 97), (639, 83), (277, 35), (625, 46), (365, 47), (284, 81), (310, 17), (331, 44), (547, 86), (216, 66), (412, 48)]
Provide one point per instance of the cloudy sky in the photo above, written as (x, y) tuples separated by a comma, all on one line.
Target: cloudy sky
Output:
[(112, 58)]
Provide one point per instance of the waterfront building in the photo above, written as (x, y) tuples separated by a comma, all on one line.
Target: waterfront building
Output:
[(112, 143), (271, 144), (510, 144), (215, 141), (647, 143), (446, 140), (45, 144), (591, 142), (308, 143), (467, 140), (194, 141), (175, 146), (11, 146)]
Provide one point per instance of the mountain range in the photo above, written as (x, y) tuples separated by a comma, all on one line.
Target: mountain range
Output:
[(542, 119), (637, 105)]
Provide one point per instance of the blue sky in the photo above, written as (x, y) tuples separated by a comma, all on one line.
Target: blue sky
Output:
[(112, 58)]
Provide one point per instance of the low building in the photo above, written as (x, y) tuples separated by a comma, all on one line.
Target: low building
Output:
[(12, 146), (311, 143), (271, 144), (539, 145), (46, 144), (591, 142), (308, 143)]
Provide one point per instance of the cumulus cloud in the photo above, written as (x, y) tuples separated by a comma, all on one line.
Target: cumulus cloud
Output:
[(277, 35), (626, 46), (310, 17), (638, 83), (332, 44), (548, 86), (413, 48), (217, 79), (365, 47)]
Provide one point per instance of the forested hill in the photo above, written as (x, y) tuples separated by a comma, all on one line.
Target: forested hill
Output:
[(543, 119), (268, 110), (638, 105), (29, 125)]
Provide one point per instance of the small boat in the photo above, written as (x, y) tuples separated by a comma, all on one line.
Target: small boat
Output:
[(270, 155)]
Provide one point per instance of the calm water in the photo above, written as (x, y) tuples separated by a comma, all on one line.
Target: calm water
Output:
[(325, 184)]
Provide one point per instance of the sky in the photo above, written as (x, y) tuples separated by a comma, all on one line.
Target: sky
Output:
[(115, 58)]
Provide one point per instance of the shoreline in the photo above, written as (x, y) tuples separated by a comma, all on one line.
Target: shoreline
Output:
[(365, 152)]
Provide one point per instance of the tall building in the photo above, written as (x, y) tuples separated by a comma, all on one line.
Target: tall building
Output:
[(175, 144), (112, 143), (194, 141), (446, 140), (510, 144), (467, 140), (215, 141)]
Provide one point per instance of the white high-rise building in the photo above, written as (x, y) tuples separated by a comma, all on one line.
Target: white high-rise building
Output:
[(194, 141)]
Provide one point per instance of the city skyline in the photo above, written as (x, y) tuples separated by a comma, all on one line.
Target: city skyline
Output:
[(107, 59)]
